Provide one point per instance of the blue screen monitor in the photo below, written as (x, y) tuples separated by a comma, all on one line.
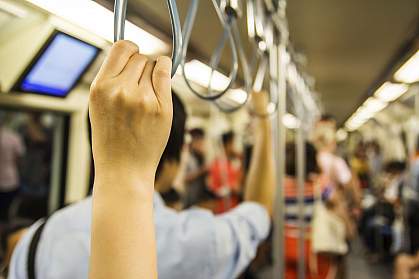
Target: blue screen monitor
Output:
[(58, 67)]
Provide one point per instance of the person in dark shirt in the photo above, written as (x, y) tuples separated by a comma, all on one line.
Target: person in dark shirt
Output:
[(196, 169)]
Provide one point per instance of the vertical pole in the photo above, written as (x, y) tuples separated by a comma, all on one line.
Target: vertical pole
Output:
[(416, 88), (279, 236), (416, 92), (56, 167), (300, 166)]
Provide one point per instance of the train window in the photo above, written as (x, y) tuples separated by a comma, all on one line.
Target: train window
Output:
[(32, 164)]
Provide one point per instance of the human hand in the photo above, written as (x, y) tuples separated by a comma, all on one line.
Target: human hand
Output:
[(130, 109)]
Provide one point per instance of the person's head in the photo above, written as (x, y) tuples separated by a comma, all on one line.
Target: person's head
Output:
[(172, 199), (360, 151), (327, 117), (35, 117), (228, 142), (170, 159), (395, 168), (206, 200), (374, 147), (311, 167), (324, 136), (198, 140)]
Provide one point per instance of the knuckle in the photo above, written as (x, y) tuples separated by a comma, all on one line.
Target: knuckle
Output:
[(162, 73), (142, 58), (118, 97), (125, 46), (165, 60), (95, 90), (141, 104)]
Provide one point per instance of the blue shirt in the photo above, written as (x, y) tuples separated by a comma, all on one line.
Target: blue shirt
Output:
[(190, 244)]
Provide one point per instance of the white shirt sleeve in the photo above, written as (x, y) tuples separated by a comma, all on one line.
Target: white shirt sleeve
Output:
[(238, 234)]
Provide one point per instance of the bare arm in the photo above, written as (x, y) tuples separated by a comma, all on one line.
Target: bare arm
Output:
[(123, 239), (130, 107), (260, 183)]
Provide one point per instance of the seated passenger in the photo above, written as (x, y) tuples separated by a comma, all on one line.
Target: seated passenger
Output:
[(190, 244)]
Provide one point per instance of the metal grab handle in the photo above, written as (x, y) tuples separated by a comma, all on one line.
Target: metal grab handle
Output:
[(265, 56), (246, 72), (120, 13), (187, 30)]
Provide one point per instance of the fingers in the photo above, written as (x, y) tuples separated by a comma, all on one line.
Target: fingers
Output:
[(161, 78), (134, 68), (146, 80), (117, 59)]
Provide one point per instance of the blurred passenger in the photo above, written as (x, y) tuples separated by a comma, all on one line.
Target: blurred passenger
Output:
[(208, 200), (377, 221), (330, 164), (375, 158), (360, 167), (130, 109), (317, 265), (412, 202), (347, 194), (226, 174), (196, 169), (396, 178), (190, 243), (172, 199), (11, 151), (37, 162)]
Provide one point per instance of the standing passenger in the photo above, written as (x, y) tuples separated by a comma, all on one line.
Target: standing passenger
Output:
[(226, 174), (131, 95), (196, 169), (338, 171), (317, 266), (192, 243), (11, 151)]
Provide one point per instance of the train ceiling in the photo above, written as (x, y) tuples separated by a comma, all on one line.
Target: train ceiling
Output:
[(348, 44)]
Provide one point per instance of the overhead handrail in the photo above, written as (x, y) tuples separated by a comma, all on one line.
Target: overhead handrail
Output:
[(246, 72), (261, 34), (227, 36), (120, 13)]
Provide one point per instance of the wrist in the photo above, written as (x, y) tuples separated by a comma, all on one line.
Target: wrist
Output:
[(116, 182)]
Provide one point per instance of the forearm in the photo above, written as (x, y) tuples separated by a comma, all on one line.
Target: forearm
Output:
[(260, 182), (123, 239)]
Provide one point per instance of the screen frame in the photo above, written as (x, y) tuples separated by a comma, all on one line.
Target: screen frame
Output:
[(17, 87)]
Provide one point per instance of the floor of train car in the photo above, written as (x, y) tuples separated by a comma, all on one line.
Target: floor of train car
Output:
[(358, 266)]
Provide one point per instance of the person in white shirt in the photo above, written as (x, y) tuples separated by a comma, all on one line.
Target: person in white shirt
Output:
[(192, 243)]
